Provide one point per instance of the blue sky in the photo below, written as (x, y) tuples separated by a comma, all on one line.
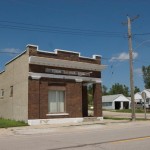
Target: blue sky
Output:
[(86, 26)]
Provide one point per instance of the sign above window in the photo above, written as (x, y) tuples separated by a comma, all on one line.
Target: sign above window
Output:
[(67, 72)]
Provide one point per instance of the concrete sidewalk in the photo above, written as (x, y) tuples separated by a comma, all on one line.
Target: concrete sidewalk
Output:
[(36, 129), (42, 129)]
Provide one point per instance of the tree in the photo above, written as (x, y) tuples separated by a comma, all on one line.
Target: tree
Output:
[(146, 76), (119, 89), (90, 94), (136, 89), (104, 90)]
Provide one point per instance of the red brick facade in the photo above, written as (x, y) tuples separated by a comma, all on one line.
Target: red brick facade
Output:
[(76, 102)]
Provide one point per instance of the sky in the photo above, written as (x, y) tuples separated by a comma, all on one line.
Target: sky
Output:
[(85, 26)]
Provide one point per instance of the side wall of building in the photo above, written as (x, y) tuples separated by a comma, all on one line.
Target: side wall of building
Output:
[(14, 83)]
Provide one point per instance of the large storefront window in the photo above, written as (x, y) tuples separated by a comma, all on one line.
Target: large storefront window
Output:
[(56, 101)]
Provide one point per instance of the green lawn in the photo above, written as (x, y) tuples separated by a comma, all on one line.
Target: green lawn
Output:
[(137, 119), (5, 123), (114, 118), (129, 111)]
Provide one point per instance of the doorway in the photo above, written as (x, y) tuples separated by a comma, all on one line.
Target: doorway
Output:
[(117, 105), (87, 100), (125, 105)]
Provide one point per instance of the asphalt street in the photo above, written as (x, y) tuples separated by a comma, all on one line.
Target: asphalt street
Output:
[(113, 136)]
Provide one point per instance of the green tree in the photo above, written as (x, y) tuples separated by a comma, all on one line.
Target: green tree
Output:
[(136, 89), (90, 95), (146, 76), (104, 90), (119, 89)]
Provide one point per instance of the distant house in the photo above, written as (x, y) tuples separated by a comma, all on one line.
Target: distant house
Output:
[(118, 101), (138, 97), (139, 100), (147, 91)]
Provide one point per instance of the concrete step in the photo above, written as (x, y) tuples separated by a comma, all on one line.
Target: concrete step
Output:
[(90, 119)]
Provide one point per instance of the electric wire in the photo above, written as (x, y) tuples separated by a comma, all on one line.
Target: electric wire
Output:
[(67, 28), (59, 30), (117, 60), (142, 33)]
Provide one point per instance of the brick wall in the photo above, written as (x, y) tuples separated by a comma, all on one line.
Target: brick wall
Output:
[(63, 55), (97, 100), (33, 99), (76, 94), (74, 99), (38, 98)]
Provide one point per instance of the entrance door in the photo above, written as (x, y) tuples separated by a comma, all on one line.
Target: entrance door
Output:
[(125, 105), (117, 105)]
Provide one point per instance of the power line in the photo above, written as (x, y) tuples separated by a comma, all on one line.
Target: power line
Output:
[(57, 27), (142, 33), (103, 58), (141, 61), (142, 42), (62, 30), (59, 30)]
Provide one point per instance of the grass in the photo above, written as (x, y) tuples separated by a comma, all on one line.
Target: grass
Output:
[(129, 111), (6, 123), (114, 118)]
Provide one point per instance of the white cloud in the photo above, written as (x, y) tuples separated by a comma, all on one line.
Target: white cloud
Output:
[(11, 50), (138, 71), (123, 56)]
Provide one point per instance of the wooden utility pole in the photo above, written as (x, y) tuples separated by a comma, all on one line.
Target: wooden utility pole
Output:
[(133, 117), (131, 68)]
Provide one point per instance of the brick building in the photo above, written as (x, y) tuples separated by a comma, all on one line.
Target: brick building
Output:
[(46, 87)]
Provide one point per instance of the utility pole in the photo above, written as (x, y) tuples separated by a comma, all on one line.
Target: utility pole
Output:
[(131, 68), (133, 117)]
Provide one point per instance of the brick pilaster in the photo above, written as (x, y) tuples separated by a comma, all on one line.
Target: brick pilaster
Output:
[(97, 100)]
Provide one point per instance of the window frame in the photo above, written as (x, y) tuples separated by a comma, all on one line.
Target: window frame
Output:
[(57, 90), (107, 104), (2, 93), (11, 91)]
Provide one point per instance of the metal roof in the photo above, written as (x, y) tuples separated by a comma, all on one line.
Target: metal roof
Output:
[(117, 97)]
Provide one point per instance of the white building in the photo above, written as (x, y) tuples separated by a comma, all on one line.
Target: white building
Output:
[(118, 101), (139, 100)]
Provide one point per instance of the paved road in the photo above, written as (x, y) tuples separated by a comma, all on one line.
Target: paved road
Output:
[(113, 136)]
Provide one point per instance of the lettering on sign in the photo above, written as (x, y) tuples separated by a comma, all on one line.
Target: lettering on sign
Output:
[(67, 72)]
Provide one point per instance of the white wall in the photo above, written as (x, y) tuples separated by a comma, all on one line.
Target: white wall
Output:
[(107, 107)]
